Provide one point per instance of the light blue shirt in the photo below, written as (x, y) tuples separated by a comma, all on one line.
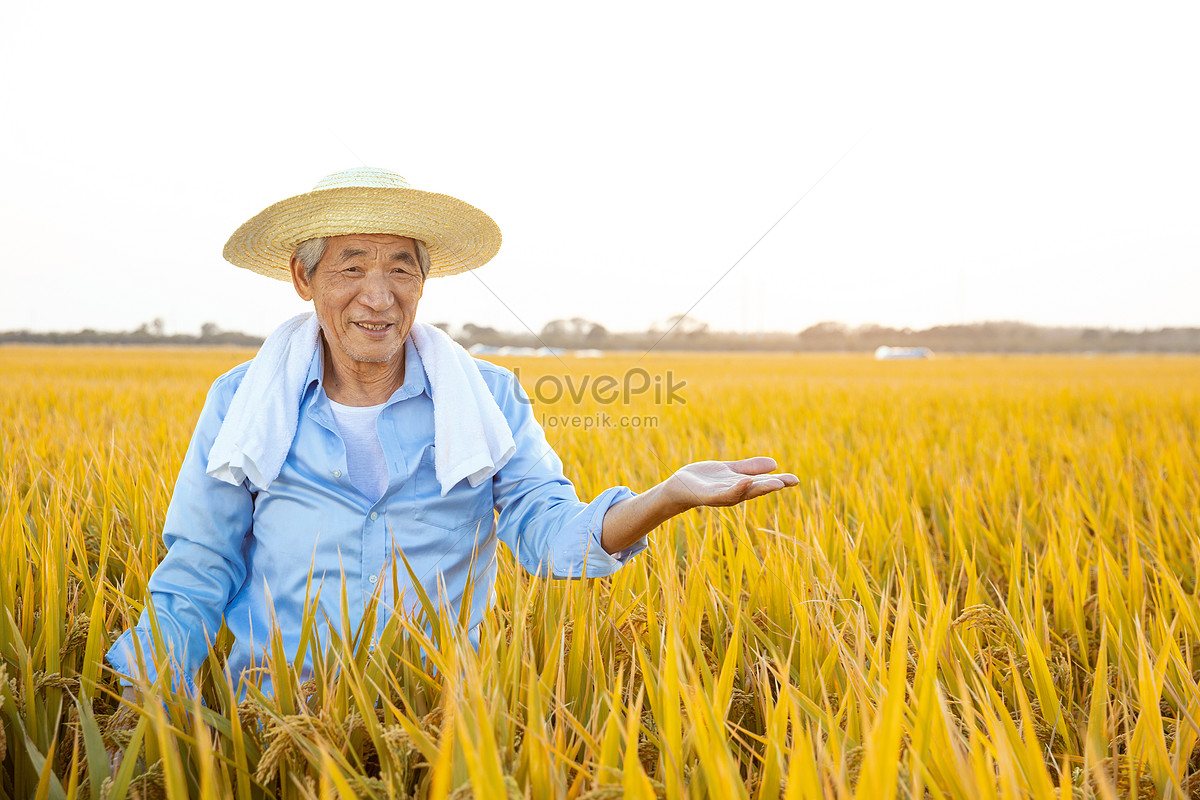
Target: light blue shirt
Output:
[(234, 552)]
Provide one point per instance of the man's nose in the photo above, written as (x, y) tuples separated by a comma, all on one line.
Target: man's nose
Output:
[(375, 292)]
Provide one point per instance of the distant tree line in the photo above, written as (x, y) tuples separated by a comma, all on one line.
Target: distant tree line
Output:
[(685, 333), (1000, 337), (150, 333)]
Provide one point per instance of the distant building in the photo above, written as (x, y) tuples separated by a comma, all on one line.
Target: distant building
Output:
[(886, 353)]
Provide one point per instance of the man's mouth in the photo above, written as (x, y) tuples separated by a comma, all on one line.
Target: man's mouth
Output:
[(376, 327)]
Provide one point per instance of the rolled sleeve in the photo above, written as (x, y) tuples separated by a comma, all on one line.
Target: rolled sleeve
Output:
[(541, 518), (124, 657), (577, 552)]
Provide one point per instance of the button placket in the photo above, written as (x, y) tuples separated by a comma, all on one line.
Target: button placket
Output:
[(374, 545)]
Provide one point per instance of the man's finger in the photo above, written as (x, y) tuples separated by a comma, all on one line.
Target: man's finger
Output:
[(753, 466), (770, 483), (761, 487)]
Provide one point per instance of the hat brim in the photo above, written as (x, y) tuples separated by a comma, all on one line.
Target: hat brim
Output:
[(458, 236)]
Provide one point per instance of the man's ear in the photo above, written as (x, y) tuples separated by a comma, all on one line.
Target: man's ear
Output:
[(300, 280)]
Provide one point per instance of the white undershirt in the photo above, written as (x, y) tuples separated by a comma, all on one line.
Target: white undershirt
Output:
[(364, 454)]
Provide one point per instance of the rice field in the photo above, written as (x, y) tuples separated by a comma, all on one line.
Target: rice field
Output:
[(984, 586)]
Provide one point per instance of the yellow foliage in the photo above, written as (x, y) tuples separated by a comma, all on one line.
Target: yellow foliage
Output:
[(985, 584)]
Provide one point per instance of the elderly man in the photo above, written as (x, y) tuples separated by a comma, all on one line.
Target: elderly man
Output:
[(357, 435)]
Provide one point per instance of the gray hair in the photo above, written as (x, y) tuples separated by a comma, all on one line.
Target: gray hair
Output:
[(310, 253)]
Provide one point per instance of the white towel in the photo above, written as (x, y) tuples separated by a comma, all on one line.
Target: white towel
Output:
[(470, 434), (471, 437), (260, 424)]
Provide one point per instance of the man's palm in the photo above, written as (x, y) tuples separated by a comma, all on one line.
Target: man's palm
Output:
[(727, 483)]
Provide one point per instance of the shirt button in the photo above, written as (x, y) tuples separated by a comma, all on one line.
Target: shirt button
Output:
[(374, 578), (374, 515), (337, 473)]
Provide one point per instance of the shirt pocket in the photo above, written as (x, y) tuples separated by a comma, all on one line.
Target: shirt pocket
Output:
[(464, 505)]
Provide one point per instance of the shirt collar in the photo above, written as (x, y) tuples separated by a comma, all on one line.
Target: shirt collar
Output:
[(416, 380)]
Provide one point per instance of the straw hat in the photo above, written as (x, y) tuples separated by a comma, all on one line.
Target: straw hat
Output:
[(459, 236)]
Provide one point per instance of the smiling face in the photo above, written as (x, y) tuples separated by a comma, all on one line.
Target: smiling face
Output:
[(365, 291)]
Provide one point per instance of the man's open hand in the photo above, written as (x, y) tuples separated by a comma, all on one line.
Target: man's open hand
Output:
[(705, 483), (726, 483)]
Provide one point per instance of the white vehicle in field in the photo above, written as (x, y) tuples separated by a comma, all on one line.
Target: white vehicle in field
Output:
[(886, 353)]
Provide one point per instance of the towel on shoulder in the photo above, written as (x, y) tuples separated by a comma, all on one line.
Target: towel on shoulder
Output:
[(470, 434)]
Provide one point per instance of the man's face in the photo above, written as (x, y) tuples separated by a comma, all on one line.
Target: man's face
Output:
[(365, 292)]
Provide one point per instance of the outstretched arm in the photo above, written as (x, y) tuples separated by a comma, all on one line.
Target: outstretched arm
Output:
[(704, 483)]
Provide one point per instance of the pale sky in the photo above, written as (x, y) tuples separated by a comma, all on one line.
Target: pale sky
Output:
[(1028, 161)]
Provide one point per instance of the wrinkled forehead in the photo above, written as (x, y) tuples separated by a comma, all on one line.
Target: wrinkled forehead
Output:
[(370, 245)]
